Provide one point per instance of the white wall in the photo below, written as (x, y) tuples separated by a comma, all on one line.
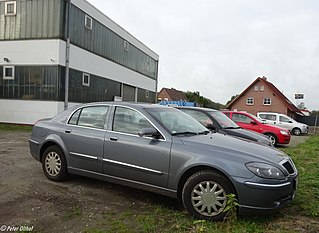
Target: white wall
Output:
[(81, 59), (32, 52), (52, 52), (27, 111)]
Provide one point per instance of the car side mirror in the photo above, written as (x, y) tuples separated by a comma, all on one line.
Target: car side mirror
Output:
[(148, 132), (211, 127), (253, 123)]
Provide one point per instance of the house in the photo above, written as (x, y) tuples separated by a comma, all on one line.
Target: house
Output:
[(59, 53), (262, 96), (172, 94)]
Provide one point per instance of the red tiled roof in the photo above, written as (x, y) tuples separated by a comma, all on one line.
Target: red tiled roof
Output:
[(174, 94)]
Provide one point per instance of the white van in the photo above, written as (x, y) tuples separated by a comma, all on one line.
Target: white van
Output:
[(283, 121)]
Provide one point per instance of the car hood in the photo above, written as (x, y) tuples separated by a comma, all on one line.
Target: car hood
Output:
[(248, 150), (248, 134)]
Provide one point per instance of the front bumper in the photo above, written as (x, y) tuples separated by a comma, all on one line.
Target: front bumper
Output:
[(284, 139), (259, 196), (304, 130)]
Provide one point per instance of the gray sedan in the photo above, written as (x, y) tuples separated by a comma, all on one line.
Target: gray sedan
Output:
[(163, 150)]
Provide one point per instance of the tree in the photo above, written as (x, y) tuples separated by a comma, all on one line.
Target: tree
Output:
[(315, 112), (202, 101), (231, 99)]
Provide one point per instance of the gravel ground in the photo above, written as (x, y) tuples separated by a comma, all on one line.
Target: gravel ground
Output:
[(29, 201)]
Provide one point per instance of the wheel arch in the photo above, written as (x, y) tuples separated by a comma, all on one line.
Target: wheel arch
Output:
[(296, 127), (46, 145), (273, 134), (195, 169)]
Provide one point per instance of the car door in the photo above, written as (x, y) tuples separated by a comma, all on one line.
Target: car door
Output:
[(83, 137), (285, 122), (129, 156), (246, 122)]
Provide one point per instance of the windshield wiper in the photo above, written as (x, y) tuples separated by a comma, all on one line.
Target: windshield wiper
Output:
[(185, 133), (230, 127), (204, 132)]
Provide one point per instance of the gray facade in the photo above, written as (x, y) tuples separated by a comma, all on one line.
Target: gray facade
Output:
[(45, 19)]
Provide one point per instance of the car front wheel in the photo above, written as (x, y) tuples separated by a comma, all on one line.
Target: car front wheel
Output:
[(54, 164), (204, 195), (296, 131), (272, 138)]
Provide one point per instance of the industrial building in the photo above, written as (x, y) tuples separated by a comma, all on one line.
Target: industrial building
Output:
[(58, 53)]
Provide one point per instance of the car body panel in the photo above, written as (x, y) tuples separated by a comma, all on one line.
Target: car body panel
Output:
[(163, 163), (233, 131), (283, 121), (255, 125)]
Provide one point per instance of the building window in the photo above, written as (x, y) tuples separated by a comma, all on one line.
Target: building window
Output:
[(262, 88), (267, 101), (86, 80), (126, 46), (147, 94), (88, 22), (256, 88), (10, 8), (8, 72), (250, 101)]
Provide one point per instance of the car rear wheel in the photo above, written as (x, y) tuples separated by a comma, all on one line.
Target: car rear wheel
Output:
[(204, 195), (272, 138), (54, 164), (296, 131)]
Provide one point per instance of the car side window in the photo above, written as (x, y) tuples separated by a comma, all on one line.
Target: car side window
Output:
[(241, 118), (284, 119), (199, 116), (129, 121), (75, 117), (90, 117), (268, 117)]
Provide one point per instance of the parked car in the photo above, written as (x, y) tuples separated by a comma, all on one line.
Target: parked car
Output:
[(218, 122), (163, 150), (283, 121), (248, 121)]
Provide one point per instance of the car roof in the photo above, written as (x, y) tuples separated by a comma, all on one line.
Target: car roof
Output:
[(128, 104), (198, 108)]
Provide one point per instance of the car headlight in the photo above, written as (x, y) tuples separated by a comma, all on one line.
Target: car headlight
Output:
[(264, 170), (284, 132)]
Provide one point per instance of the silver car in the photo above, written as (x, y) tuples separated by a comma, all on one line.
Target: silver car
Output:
[(164, 150)]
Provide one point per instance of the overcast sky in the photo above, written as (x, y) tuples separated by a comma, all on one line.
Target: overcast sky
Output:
[(219, 47)]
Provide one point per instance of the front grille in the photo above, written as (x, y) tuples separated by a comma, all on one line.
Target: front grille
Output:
[(288, 167)]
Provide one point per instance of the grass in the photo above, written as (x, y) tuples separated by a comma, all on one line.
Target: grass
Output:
[(300, 216), (14, 127)]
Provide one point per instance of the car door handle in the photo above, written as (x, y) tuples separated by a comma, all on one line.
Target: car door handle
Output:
[(67, 131), (114, 138)]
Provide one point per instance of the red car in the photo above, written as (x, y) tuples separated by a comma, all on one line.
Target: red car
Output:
[(248, 121)]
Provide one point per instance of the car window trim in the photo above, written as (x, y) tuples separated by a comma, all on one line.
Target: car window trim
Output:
[(129, 134), (91, 105)]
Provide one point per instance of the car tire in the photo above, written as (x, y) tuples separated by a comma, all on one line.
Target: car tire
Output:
[(272, 138), (204, 195), (296, 131), (54, 164)]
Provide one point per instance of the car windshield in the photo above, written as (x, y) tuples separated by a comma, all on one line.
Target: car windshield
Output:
[(256, 118), (224, 121), (177, 122)]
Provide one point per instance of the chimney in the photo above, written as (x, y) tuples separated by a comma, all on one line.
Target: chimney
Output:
[(264, 78)]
